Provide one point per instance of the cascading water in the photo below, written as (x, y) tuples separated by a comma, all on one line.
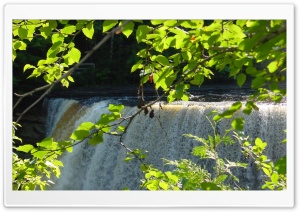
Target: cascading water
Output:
[(102, 167)]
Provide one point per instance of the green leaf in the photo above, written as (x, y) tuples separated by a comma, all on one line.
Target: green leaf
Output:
[(52, 24), (58, 163), (68, 29), (96, 139), (258, 82), (14, 55), (141, 33), (136, 66), (235, 106), (70, 78), (163, 185), (241, 78), (217, 117), (238, 123), (273, 66), (198, 79), (28, 66), (51, 53), (86, 126), (108, 24), (19, 45), (25, 148), (170, 23), (127, 159), (241, 23), (247, 44), (115, 108), (262, 145), (157, 22), (128, 29), (46, 31), (22, 33), (57, 37), (221, 178), (210, 186), (46, 142), (162, 60), (172, 177), (172, 96), (107, 118), (121, 128), (191, 24), (236, 31), (153, 185), (40, 154), (88, 31), (80, 135), (64, 22), (75, 54), (275, 177)]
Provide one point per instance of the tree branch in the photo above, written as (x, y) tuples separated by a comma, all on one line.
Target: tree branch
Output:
[(68, 73)]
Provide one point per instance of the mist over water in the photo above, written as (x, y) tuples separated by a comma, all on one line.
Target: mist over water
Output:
[(102, 167)]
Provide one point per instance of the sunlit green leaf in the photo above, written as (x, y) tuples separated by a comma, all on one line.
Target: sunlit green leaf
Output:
[(88, 31), (98, 138), (75, 54), (107, 118), (275, 177), (128, 29), (25, 148), (70, 78), (121, 128), (80, 135), (163, 185), (46, 142), (115, 108), (86, 126), (273, 66), (46, 31), (28, 66), (170, 23), (238, 123), (221, 178), (68, 29), (136, 66), (39, 154), (141, 33), (198, 79), (108, 24), (157, 22), (57, 37), (162, 60)]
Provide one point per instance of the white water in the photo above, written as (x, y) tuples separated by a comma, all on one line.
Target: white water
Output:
[(102, 167)]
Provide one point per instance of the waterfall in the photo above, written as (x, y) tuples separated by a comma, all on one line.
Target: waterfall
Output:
[(102, 167)]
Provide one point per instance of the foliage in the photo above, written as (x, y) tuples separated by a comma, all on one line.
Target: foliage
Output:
[(275, 174), (174, 56)]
